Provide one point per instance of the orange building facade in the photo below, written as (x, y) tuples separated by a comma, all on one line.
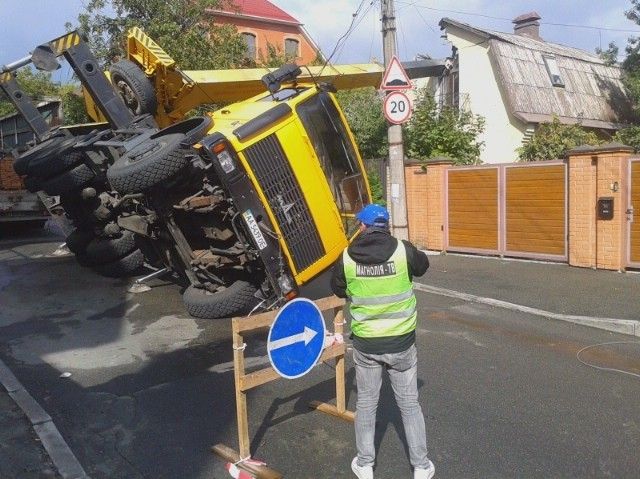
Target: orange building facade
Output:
[(264, 26)]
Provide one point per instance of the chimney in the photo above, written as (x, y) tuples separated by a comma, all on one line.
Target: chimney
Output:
[(527, 25)]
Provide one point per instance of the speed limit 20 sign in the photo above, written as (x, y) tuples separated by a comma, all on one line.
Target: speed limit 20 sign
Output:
[(397, 108)]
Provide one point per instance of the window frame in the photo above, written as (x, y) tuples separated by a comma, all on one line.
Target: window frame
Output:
[(297, 52), (553, 70), (248, 53)]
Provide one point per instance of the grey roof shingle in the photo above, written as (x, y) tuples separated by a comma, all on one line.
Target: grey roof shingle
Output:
[(593, 92)]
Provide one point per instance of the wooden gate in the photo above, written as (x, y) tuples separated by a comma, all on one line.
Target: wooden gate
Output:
[(633, 213), (472, 209), (517, 209), (535, 210)]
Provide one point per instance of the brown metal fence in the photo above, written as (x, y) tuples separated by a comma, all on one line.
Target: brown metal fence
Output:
[(517, 209)]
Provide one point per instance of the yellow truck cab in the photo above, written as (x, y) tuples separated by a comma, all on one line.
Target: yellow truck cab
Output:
[(300, 158)]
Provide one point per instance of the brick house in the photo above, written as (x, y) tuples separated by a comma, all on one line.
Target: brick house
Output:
[(263, 25)]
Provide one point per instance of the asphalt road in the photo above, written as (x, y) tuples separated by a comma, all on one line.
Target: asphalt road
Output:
[(151, 389)]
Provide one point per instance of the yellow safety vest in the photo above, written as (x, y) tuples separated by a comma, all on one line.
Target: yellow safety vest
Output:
[(382, 302)]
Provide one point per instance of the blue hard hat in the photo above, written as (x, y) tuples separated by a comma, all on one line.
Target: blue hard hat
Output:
[(373, 215)]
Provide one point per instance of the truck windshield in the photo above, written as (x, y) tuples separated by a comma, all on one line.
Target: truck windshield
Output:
[(336, 153)]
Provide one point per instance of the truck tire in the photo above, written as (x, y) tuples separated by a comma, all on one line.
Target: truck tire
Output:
[(194, 129), (151, 163), (33, 184), (78, 240), (54, 165), (68, 181), (234, 300), (106, 250), (134, 87), (123, 267), (41, 150)]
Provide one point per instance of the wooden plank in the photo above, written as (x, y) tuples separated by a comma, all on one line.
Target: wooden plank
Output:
[(263, 376), (260, 472), (241, 397), (341, 403), (329, 302), (262, 320)]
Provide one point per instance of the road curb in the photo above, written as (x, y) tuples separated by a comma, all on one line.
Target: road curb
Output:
[(621, 326), (59, 451)]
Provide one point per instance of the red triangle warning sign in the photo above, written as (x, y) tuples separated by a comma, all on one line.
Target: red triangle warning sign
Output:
[(395, 78)]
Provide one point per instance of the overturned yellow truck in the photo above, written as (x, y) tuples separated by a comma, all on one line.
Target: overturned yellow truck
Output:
[(247, 206)]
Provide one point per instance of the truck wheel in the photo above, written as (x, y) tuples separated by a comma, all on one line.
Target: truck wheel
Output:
[(48, 167), (68, 181), (134, 87), (106, 250), (41, 150), (151, 163), (236, 299), (123, 267)]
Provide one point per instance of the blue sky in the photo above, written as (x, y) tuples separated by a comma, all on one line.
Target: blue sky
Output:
[(26, 23)]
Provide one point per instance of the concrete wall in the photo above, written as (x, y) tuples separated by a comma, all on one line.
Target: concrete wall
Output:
[(480, 93)]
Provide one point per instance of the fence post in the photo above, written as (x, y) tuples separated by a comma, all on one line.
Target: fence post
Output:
[(598, 173)]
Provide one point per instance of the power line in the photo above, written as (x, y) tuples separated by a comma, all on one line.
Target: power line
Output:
[(475, 14), (363, 15), (345, 35)]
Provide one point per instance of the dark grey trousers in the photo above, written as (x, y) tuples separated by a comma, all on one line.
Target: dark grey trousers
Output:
[(403, 374)]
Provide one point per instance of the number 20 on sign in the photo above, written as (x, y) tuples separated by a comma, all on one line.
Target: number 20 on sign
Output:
[(397, 108)]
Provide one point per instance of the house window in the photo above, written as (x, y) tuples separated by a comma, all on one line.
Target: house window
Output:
[(291, 48), (553, 70), (250, 42)]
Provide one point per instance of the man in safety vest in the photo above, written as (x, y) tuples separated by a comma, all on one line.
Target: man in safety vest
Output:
[(375, 274)]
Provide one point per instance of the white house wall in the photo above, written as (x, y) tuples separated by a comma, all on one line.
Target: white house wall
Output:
[(480, 93)]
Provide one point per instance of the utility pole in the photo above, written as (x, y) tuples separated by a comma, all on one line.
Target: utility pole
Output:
[(399, 227)]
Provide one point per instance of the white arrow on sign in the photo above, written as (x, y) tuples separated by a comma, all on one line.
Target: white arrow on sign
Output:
[(305, 336)]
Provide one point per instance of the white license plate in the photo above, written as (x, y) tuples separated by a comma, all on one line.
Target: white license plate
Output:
[(255, 229)]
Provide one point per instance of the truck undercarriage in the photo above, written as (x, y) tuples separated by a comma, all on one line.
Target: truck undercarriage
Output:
[(244, 206)]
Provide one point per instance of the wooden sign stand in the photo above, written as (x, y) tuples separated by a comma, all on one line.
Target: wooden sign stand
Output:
[(245, 382)]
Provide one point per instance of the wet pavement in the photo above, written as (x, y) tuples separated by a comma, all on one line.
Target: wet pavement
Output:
[(149, 390)]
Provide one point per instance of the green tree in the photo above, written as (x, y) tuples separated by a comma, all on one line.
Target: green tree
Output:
[(375, 184), (182, 27), (610, 55), (447, 132), (38, 85), (363, 109), (629, 136), (73, 107), (553, 140)]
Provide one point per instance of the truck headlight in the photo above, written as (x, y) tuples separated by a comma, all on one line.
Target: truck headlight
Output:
[(226, 162), (287, 287), (224, 157)]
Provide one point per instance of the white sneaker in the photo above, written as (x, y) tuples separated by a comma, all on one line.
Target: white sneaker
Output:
[(362, 472), (424, 473)]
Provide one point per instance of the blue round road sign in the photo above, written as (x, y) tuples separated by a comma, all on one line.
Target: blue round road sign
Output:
[(296, 338)]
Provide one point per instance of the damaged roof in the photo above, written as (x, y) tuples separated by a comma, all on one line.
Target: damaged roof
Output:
[(592, 93)]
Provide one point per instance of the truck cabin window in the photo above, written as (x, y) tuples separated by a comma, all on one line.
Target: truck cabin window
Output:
[(335, 151)]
